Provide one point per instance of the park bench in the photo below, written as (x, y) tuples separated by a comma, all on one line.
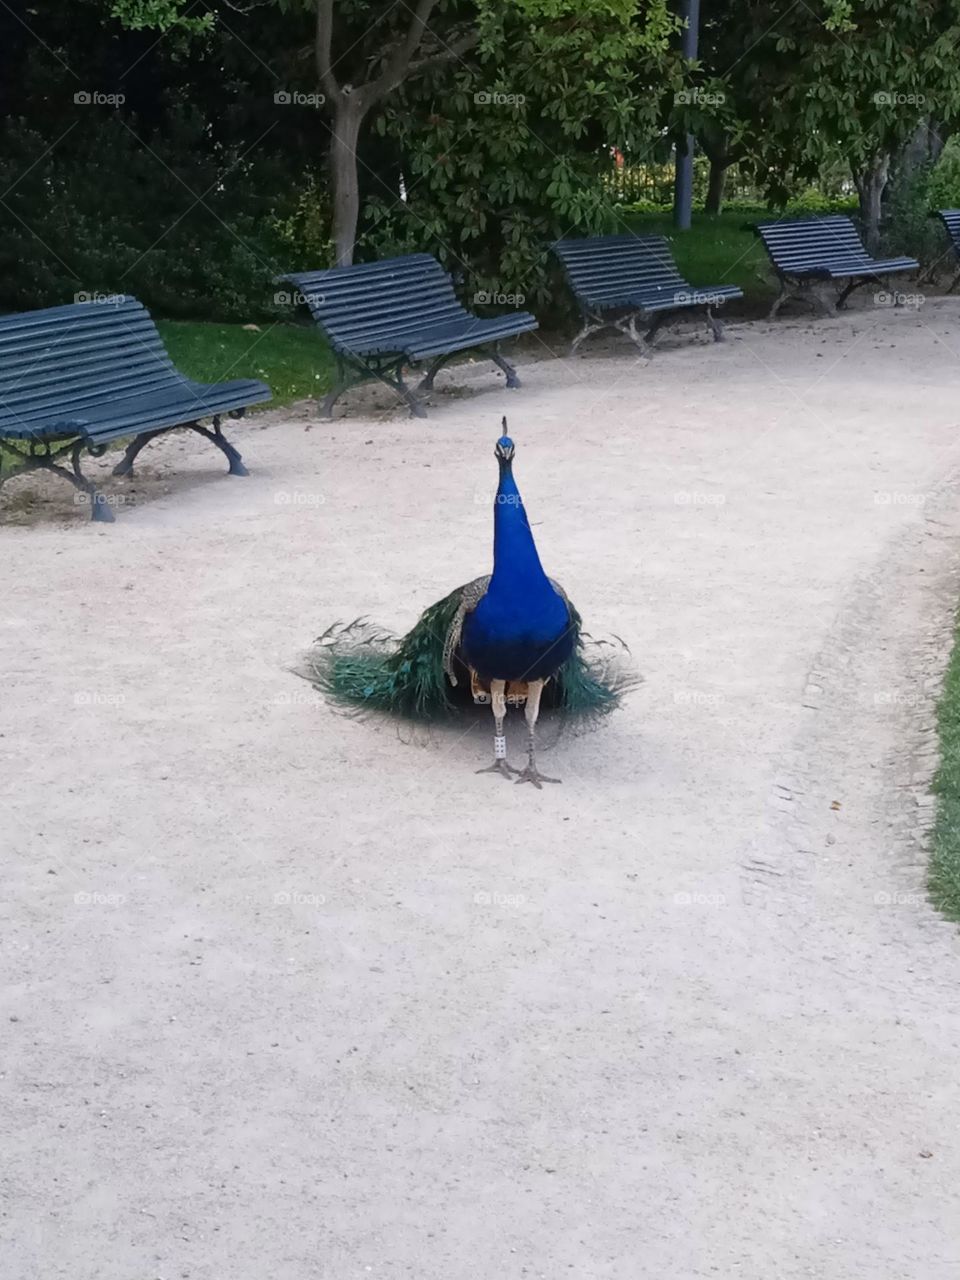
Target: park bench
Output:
[(951, 220), (808, 253), (619, 279), (380, 316), (78, 377)]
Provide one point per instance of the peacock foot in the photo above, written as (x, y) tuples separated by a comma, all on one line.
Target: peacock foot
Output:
[(501, 767), (532, 774)]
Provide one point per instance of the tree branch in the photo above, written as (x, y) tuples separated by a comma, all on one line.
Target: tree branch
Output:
[(401, 64), (396, 68), (322, 51), (451, 51)]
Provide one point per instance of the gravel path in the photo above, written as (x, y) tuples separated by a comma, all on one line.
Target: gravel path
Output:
[(292, 995)]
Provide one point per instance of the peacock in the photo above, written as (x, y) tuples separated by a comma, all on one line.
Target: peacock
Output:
[(509, 639)]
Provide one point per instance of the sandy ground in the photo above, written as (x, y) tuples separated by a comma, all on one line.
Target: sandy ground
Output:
[(292, 995)]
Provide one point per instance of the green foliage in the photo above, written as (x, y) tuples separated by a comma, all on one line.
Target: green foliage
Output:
[(847, 79), (505, 151), (164, 15), (812, 200), (944, 880), (187, 232), (199, 189), (943, 190), (907, 227), (180, 188), (306, 231)]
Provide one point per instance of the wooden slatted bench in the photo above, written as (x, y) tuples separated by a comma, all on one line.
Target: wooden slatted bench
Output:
[(811, 252), (951, 220), (380, 316), (78, 377), (619, 279)]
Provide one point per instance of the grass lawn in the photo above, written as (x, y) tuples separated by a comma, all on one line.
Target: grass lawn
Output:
[(292, 359), (945, 862), (718, 249)]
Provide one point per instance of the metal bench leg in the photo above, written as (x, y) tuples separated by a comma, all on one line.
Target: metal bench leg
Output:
[(125, 466), (382, 374), (845, 293), (627, 325), (217, 437), (822, 299), (715, 324), (325, 408), (591, 324), (46, 461), (344, 381), (99, 510), (389, 374), (780, 299), (407, 394), (427, 383), (651, 334), (502, 363)]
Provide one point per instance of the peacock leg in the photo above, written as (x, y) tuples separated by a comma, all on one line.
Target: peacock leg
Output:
[(498, 700), (531, 773)]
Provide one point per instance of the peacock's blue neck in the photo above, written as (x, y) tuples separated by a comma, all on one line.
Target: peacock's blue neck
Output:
[(516, 564)]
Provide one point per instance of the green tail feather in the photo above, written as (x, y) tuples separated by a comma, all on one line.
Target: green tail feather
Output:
[(361, 666)]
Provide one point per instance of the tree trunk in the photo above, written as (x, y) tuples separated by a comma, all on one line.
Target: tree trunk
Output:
[(939, 135), (718, 176), (915, 153), (350, 105), (347, 119), (871, 183)]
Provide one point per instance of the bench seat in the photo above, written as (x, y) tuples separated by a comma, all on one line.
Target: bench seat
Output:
[(619, 279), (807, 251), (951, 221), (130, 415), (78, 377), (380, 316)]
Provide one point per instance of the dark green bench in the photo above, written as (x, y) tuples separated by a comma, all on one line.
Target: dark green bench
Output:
[(380, 316), (619, 279), (810, 252), (77, 377)]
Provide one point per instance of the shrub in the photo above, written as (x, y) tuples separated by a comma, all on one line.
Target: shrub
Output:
[(944, 187), (192, 230), (810, 200), (490, 175), (907, 228)]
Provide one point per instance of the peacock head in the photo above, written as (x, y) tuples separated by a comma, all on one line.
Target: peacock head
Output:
[(505, 449)]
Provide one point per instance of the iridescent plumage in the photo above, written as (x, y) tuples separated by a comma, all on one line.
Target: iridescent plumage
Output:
[(509, 638)]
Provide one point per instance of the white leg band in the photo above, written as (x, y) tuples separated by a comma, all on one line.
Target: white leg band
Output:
[(499, 747)]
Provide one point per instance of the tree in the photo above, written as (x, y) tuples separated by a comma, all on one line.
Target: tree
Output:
[(853, 77), (362, 52), (510, 148), (727, 88), (406, 54)]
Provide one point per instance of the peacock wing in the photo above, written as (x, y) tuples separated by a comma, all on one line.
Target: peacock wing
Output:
[(470, 597)]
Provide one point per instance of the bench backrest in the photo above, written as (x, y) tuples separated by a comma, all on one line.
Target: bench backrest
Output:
[(603, 268), (951, 220), (803, 244), (86, 352), (371, 307)]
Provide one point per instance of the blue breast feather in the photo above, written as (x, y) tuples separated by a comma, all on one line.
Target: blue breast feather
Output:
[(520, 630)]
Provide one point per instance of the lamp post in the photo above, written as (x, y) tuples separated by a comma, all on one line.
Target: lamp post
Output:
[(683, 175)]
